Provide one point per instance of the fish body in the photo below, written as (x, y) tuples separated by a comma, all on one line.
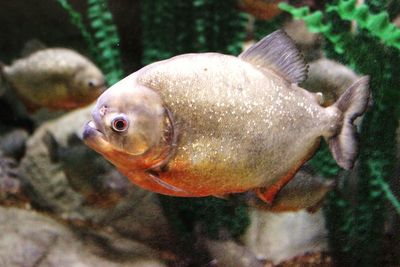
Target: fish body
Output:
[(214, 124), (232, 132), (55, 78)]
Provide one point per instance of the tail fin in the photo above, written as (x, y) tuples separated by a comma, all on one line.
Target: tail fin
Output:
[(352, 103)]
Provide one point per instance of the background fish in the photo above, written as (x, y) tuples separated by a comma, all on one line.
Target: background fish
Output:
[(304, 191), (261, 9), (330, 78), (55, 78), (213, 124)]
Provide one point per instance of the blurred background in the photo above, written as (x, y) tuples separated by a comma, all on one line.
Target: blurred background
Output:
[(64, 205)]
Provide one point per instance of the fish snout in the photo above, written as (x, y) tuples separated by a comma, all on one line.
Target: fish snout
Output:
[(91, 136), (87, 130), (98, 84)]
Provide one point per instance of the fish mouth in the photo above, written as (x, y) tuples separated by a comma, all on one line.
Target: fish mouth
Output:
[(102, 87), (93, 137), (89, 129)]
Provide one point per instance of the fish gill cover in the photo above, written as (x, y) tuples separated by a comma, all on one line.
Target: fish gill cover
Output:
[(357, 229)]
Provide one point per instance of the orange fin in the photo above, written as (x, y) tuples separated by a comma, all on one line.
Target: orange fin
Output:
[(268, 194)]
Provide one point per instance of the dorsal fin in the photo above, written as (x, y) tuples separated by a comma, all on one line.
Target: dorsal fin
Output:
[(278, 52), (31, 47)]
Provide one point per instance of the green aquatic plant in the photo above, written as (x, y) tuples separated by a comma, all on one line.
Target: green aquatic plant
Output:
[(377, 25), (107, 39), (175, 27), (76, 20), (356, 224), (103, 44), (315, 24)]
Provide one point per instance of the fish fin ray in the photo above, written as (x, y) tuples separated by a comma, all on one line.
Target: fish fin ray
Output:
[(155, 178), (352, 103), (278, 52)]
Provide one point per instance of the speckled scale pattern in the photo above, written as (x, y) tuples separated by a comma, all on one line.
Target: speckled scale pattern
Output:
[(241, 127)]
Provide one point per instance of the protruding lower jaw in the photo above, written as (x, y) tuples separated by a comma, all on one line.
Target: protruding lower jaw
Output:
[(94, 138)]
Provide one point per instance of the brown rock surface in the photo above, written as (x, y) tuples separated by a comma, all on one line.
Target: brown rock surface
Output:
[(30, 239), (229, 253), (278, 237)]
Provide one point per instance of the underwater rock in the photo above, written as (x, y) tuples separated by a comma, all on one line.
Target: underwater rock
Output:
[(279, 237), (317, 259), (72, 182), (34, 240), (9, 183), (41, 168), (229, 253), (12, 148), (13, 143)]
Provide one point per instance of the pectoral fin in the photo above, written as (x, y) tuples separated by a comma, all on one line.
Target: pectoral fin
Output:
[(153, 182), (155, 178)]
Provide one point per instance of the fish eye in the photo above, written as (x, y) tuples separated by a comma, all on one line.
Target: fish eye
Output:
[(119, 124), (91, 83)]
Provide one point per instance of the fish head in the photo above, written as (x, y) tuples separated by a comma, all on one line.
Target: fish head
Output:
[(127, 123), (87, 83)]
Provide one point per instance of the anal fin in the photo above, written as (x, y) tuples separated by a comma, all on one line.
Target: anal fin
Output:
[(268, 194)]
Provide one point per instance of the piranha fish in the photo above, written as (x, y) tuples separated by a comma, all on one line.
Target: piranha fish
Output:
[(55, 78), (261, 9), (212, 124)]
